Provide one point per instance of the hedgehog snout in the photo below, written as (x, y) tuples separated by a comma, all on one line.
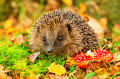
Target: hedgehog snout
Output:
[(49, 50)]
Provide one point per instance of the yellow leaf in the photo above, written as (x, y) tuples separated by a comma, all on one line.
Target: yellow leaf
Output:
[(57, 69), (33, 76), (11, 30), (82, 7), (8, 24), (68, 2)]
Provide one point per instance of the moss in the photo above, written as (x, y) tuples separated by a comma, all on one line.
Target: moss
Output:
[(14, 58)]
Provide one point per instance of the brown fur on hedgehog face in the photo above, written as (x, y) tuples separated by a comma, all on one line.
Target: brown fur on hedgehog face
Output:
[(57, 37), (62, 32)]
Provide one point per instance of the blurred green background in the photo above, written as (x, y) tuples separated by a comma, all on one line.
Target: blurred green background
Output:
[(33, 8)]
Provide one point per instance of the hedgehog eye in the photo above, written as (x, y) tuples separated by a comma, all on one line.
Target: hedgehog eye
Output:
[(60, 38), (44, 39), (68, 27)]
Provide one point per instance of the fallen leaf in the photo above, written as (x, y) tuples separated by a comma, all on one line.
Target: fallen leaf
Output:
[(94, 77), (78, 73), (54, 76), (102, 73), (33, 76), (104, 22), (117, 64), (11, 30), (33, 56), (95, 24), (2, 32), (68, 2), (118, 77), (82, 14), (20, 39), (2, 73), (11, 37), (57, 69), (113, 70), (10, 22), (116, 56), (31, 50), (82, 7), (116, 29), (52, 5)]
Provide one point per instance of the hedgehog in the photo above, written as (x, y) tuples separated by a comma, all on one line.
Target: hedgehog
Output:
[(62, 32)]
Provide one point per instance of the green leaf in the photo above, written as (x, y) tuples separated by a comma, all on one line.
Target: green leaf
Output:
[(72, 69), (89, 75)]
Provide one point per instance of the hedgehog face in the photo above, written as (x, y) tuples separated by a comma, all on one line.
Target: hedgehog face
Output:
[(52, 39)]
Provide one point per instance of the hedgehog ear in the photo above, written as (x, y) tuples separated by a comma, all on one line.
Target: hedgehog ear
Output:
[(68, 27)]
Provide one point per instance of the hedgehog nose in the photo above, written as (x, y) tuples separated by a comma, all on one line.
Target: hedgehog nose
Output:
[(49, 50)]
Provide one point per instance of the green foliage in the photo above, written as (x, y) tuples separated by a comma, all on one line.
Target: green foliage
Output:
[(89, 75), (115, 75), (72, 69), (14, 57)]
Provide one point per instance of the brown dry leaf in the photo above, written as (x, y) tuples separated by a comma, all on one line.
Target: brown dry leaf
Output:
[(20, 39), (113, 70), (95, 65), (33, 56), (116, 28), (53, 76), (116, 56), (11, 37), (2, 73), (31, 50), (117, 64), (104, 22), (52, 5), (118, 77), (57, 69), (78, 73), (94, 77), (97, 26), (68, 2)]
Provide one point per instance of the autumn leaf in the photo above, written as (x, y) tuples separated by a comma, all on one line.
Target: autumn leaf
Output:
[(95, 24), (82, 7), (57, 69), (68, 2), (10, 22), (33, 56), (20, 39), (118, 77), (113, 70), (2, 73), (116, 56), (102, 73), (54, 76), (33, 76), (116, 29), (104, 22)]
